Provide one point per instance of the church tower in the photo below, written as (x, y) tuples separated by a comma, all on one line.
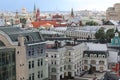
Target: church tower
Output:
[(34, 11), (72, 13), (116, 32), (38, 15)]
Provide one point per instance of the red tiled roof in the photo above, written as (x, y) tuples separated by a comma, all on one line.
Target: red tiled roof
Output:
[(44, 22)]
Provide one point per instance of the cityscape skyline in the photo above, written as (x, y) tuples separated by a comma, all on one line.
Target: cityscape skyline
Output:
[(57, 5)]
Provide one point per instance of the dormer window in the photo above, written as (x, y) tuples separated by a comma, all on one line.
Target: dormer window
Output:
[(86, 55), (91, 55), (99, 56), (28, 38), (95, 55), (103, 56)]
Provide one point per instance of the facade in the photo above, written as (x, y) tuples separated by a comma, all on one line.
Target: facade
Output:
[(96, 56), (114, 53), (78, 32), (7, 64), (64, 61), (28, 48), (113, 13)]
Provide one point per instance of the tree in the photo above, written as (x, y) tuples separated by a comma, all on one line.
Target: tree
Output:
[(109, 34), (100, 35), (91, 23)]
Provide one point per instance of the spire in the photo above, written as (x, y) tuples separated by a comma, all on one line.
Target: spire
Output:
[(116, 32), (34, 7), (72, 13), (34, 11)]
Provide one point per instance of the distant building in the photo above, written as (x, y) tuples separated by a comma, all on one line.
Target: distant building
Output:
[(113, 13)]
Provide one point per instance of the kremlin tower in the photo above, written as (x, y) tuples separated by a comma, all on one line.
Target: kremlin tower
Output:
[(38, 15)]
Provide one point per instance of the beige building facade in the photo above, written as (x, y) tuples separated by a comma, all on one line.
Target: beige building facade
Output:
[(113, 13)]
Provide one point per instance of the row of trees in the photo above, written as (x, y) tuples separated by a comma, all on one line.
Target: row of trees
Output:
[(91, 23), (103, 36)]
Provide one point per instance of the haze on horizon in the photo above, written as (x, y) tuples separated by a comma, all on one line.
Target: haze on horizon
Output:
[(56, 5)]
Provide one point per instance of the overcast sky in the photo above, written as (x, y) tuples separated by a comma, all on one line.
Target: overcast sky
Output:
[(57, 5)]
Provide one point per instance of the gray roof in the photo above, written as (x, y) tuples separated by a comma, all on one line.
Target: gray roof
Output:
[(14, 32)]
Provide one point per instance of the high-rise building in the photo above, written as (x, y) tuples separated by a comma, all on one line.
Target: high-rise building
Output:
[(113, 13)]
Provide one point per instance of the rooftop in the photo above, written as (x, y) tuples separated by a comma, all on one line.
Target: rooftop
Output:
[(96, 47), (14, 32)]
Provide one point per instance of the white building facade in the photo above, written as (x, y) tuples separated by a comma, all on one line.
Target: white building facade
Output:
[(96, 56), (66, 61)]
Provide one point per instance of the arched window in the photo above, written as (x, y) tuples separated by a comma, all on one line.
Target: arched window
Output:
[(95, 55), (28, 38), (99, 56), (1, 44), (91, 55), (103, 56)]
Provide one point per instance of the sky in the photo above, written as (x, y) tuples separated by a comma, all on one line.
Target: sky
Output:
[(56, 5)]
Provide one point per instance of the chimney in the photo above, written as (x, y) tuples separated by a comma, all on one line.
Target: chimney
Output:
[(20, 40)]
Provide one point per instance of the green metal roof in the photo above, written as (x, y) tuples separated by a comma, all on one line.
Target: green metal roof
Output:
[(15, 32)]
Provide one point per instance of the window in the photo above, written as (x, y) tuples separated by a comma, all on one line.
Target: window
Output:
[(85, 61), (41, 62), (69, 66), (60, 68), (86, 55), (116, 41), (32, 76), (38, 74), (69, 53), (101, 62), (99, 56), (91, 55), (75, 66), (55, 55), (55, 62), (32, 51), (29, 64), (41, 51), (32, 64), (46, 55), (103, 56), (29, 76), (51, 62), (53, 69), (69, 60), (95, 55), (93, 62), (64, 67), (38, 62), (41, 74), (29, 53), (51, 56)]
